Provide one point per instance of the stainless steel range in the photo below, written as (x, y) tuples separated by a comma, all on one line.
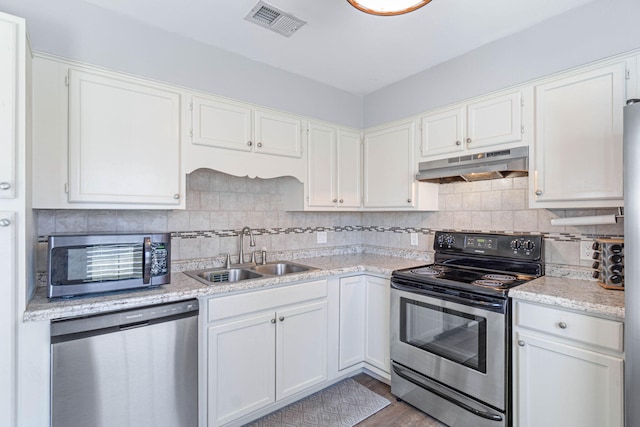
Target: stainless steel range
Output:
[(451, 323)]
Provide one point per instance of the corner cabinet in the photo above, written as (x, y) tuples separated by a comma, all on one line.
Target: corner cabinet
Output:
[(104, 140), (577, 159), (243, 140), (568, 368), (390, 168), (335, 171), (263, 347), (489, 121)]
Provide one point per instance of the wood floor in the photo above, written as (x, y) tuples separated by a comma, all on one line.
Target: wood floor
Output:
[(398, 414)]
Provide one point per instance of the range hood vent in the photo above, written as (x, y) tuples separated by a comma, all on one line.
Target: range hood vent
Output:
[(491, 165), (274, 19)]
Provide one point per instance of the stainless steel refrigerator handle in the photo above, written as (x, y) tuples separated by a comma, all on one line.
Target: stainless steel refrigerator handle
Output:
[(420, 382), (146, 275)]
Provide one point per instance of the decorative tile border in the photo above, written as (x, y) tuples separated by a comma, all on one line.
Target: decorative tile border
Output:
[(561, 237)]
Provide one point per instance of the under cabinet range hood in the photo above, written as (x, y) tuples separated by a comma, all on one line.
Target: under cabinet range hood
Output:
[(476, 167)]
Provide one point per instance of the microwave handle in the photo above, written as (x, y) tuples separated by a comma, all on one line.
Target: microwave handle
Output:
[(146, 273)]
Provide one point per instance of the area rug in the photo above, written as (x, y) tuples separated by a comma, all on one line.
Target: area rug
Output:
[(343, 404)]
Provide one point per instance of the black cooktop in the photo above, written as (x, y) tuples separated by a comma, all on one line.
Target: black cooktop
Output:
[(479, 263)]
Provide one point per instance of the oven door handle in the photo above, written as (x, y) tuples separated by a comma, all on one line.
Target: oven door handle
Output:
[(422, 383), (487, 305)]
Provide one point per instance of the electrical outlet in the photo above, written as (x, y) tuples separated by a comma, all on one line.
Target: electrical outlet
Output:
[(414, 239), (322, 237), (586, 250)]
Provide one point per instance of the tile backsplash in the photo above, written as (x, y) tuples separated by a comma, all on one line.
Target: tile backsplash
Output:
[(219, 205)]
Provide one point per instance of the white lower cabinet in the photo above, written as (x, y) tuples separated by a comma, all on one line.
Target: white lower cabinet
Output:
[(568, 368), (262, 347), (364, 323)]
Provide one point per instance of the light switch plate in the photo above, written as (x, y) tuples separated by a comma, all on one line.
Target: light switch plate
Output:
[(322, 237), (414, 239)]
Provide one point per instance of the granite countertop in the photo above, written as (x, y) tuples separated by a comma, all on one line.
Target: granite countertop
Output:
[(183, 287), (581, 295)]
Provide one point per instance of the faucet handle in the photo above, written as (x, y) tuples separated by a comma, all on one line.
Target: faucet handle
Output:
[(227, 263), (264, 256), (253, 257)]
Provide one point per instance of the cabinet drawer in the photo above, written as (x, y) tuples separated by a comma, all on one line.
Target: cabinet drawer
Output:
[(234, 305), (574, 326)]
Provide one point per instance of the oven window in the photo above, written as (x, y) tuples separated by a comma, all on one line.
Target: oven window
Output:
[(454, 335)]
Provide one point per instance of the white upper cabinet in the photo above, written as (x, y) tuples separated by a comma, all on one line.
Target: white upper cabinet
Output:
[(9, 57), (104, 140), (221, 124), (578, 144), (470, 127), (124, 141), (243, 140), (335, 173), (390, 169)]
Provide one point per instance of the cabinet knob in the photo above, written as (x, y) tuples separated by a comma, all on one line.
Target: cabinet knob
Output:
[(538, 192), (335, 200), (4, 222), (273, 320), (5, 186), (562, 325), (341, 201), (176, 196), (408, 200), (249, 143), (281, 318), (458, 142), (468, 140), (521, 343), (259, 144)]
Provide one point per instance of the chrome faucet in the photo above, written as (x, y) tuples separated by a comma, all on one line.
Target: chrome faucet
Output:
[(252, 243)]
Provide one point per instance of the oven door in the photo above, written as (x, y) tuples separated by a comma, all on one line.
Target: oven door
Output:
[(452, 340)]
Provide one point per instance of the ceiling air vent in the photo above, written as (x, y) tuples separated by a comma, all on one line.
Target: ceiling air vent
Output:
[(274, 19)]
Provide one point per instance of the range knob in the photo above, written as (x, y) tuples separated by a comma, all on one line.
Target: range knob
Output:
[(516, 244), (449, 240), (440, 240), (529, 245)]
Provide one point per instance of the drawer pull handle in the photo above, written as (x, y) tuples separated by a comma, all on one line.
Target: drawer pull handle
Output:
[(4, 222), (562, 325), (521, 343), (5, 186)]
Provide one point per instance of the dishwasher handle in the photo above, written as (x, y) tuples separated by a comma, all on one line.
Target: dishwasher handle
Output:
[(80, 327)]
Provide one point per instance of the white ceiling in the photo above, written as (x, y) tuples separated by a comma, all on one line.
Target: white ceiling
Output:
[(341, 46)]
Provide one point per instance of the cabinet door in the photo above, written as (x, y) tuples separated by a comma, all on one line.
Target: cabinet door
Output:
[(562, 385), (443, 132), (322, 184), (241, 367), (349, 169), (301, 348), (388, 167), (494, 121), (578, 151), (7, 303), (377, 321), (220, 124), (124, 141), (277, 134), (352, 321), (8, 105)]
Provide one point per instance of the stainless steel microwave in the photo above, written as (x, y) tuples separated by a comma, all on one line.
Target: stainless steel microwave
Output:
[(95, 263)]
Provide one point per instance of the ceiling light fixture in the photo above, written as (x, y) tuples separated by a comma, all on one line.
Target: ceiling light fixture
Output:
[(387, 7)]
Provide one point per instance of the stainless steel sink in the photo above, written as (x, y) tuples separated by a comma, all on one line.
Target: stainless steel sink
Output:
[(280, 268), (228, 275)]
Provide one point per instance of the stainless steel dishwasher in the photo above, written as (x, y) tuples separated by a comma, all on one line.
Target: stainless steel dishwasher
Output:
[(131, 368)]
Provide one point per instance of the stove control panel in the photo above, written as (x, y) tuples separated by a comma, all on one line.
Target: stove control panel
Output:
[(521, 246)]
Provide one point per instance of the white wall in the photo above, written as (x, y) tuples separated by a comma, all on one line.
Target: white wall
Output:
[(77, 30), (597, 30)]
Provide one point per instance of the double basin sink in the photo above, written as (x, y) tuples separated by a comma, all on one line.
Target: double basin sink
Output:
[(235, 274)]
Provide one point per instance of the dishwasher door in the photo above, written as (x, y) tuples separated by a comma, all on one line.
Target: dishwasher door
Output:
[(129, 368)]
